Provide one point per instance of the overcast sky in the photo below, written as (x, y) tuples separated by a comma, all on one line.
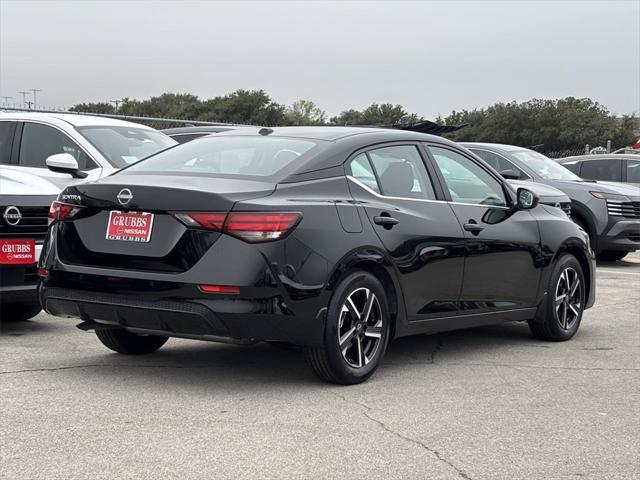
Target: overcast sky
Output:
[(430, 56)]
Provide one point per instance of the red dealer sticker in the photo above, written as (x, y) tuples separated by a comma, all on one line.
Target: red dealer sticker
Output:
[(17, 251), (129, 226)]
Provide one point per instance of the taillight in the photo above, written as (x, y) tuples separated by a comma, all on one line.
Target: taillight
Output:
[(222, 289), (249, 226), (208, 220), (260, 226), (60, 211)]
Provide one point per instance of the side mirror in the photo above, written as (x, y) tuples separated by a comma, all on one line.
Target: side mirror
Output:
[(510, 174), (64, 163), (526, 199)]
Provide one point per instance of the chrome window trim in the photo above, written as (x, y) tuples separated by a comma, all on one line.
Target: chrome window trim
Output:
[(360, 184)]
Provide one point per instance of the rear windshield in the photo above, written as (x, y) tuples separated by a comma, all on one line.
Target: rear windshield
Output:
[(233, 155)]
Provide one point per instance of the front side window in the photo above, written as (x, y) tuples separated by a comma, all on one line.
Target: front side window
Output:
[(401, 172), (122, 146), (39, 142), (244, 155), (466, 181), (610, 169), (544, 166), (499, 163), (633, 171)]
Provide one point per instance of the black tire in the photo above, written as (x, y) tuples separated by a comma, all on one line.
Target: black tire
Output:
[(121, 341), (19, 312), (554, 326), (329, 362), (611, 255)]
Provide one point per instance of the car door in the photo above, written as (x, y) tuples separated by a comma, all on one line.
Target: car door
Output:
[(501, 269), (38, 141), (420, 232), (609, 170)]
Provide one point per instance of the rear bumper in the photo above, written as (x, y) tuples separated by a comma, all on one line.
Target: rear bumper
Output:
[(18, 282), (237, 320)]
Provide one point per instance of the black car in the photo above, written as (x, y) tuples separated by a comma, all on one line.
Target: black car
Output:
[(335, 239), (609, 212), (612, 167), (186, 134)]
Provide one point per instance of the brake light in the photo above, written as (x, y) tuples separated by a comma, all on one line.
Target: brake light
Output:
[(248, 226), (224, 289), (42, 272), (61, 211), (208, 220), (261, 226)]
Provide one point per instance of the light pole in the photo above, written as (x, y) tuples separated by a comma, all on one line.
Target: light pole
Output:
[(35, 90), (116, 102), (24, 97), (5, 99)]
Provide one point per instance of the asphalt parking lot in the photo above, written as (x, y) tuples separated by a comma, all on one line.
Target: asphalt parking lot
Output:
[(489, 403)]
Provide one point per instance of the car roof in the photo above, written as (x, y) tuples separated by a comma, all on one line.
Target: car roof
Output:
[(494, 146), (201, 129), (76, 120), (335, 134), (600, 156)]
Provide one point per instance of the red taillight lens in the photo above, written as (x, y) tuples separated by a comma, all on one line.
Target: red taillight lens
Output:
[(208, 220), (60, 211), (261, 226), (223, 289), (42, 272)]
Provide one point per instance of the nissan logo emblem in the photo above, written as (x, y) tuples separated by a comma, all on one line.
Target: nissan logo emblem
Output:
[(12, 216), (124, 196)]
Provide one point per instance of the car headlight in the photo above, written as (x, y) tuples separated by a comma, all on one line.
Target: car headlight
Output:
[(610, 196)]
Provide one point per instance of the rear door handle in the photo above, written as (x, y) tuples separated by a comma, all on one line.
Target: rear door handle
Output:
[(473, 227), (386, 222)]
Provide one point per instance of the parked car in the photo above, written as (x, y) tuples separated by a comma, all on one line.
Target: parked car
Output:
[(608, 212), (609, 167), (67, 148), (24, 204), (335, 239), (186, 134)]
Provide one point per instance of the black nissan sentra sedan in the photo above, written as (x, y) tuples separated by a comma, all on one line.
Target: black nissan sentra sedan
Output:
[(334, 239)]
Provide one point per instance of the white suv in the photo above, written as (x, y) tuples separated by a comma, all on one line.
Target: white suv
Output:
[(67, 148)]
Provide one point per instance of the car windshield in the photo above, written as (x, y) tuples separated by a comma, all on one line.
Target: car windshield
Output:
[(122, 146), (233, 155), (544, 166)]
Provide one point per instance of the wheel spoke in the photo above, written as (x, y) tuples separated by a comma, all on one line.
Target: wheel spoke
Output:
[(373, 332), (575, 310), (359, 343), (352, 308), (366, 311), (564, 315), (560, 299), (574, 287), (347, 337)]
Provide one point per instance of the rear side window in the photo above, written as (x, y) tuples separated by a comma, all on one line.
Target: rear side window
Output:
[(362, 171), (633, 171), (468, 182), (401, 172), (610, 169), (7, 130), (233, 155), (39, 142)]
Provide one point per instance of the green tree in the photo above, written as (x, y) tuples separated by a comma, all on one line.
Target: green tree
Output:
[(305, 112), (93, 107), (376, 114), (563, 124)]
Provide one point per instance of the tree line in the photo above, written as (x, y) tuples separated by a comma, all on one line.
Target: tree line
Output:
[(551, 125)]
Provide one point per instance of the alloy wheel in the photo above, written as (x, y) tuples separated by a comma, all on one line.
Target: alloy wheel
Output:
[(360, 327), (568, 300)]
